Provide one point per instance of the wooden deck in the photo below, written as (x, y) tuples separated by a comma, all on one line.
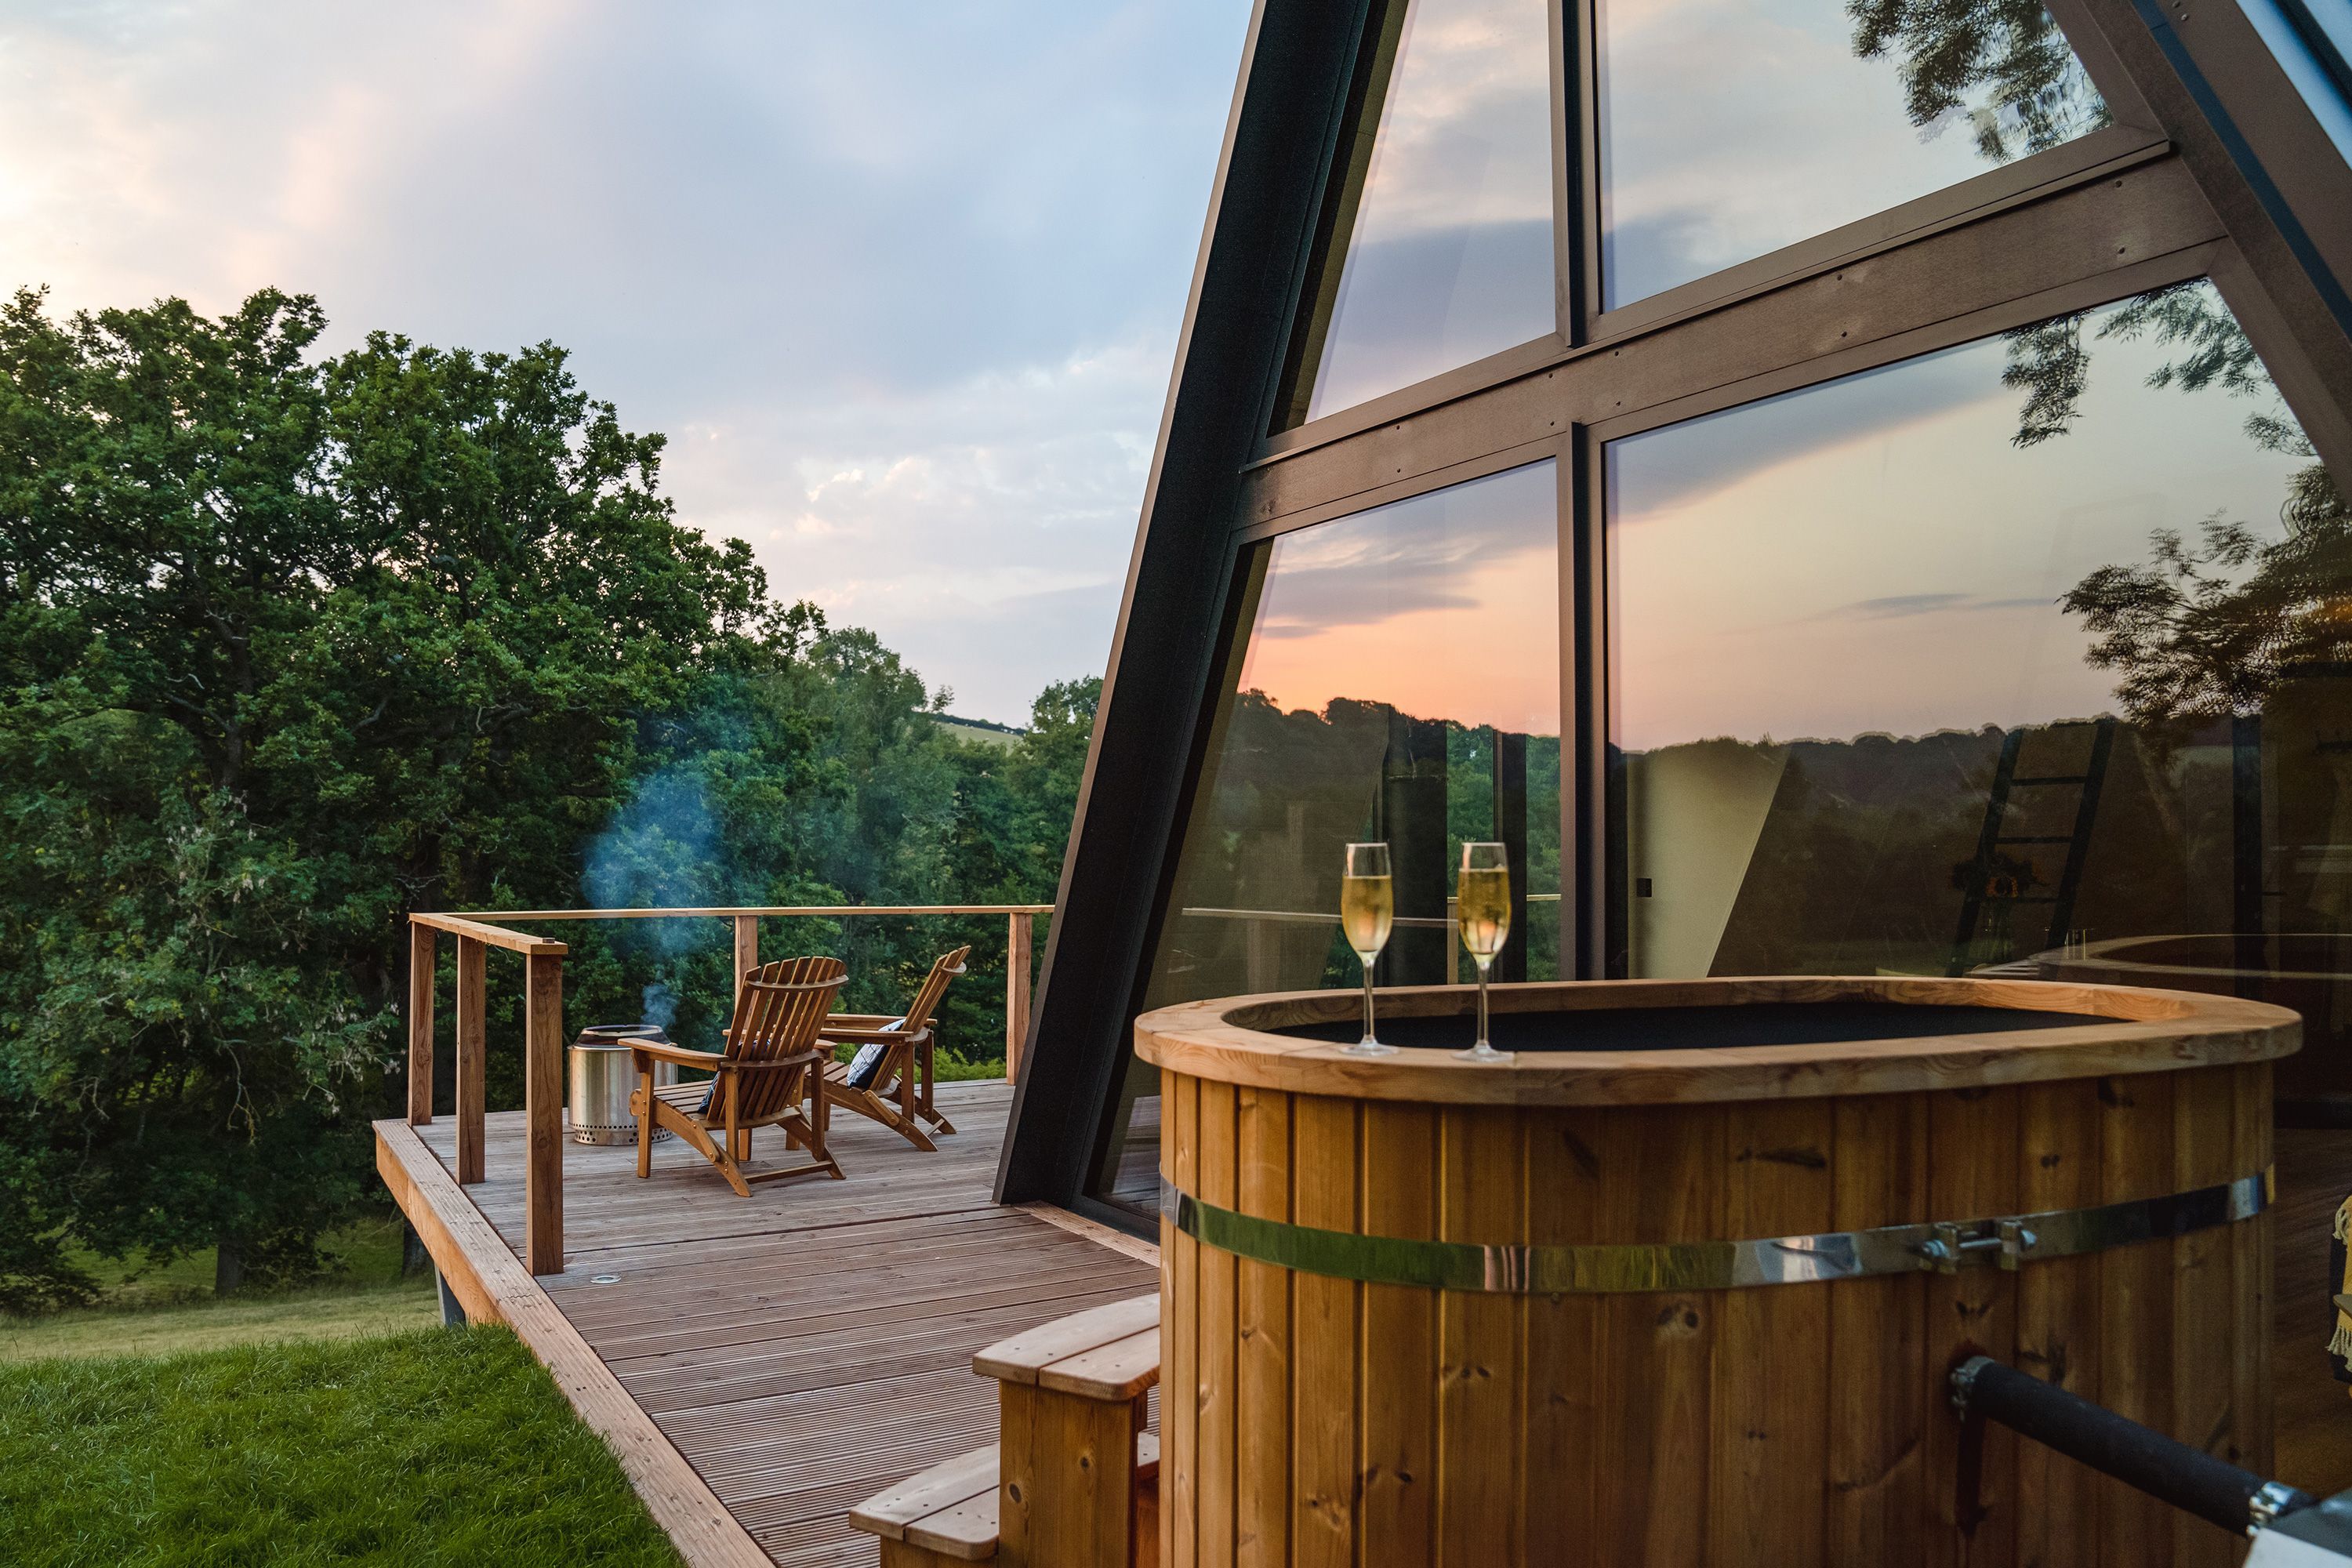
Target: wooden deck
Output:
[(807, 1346)]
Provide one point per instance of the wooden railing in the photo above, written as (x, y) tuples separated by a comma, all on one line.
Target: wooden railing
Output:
[(543, 1036)]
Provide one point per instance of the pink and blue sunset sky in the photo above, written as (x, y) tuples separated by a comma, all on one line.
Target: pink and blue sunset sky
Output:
[(902, 281)]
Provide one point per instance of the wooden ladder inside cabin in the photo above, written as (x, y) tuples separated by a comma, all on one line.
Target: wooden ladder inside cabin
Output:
[(1073, 1479), (1991, 883)]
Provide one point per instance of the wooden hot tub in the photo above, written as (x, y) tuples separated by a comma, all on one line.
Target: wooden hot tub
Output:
[(1683, 1281)]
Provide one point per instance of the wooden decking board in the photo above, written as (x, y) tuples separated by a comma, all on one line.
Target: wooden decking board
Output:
[(803, 1348), (941, 1351), (712, 1332)]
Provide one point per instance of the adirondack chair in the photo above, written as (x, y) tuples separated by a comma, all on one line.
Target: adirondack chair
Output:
[(766, 1078), (897, 1090)]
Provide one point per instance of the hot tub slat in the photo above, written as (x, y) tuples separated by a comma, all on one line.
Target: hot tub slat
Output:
[(1323, 1445), (1261, 1406), (1772, 1346), (1183, 1321), (2203, 1108), (1219, 1161), (1879, 1400), (1972, 1157), (2058, 1315), (2249, 1258), (1481, 1172), (1400, 1408), (2135, 1302)]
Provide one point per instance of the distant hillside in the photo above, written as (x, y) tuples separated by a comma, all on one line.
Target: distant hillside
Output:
[(985, 732)]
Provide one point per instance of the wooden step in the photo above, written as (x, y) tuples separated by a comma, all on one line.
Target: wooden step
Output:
[(1108, 1354), (948, 1513)]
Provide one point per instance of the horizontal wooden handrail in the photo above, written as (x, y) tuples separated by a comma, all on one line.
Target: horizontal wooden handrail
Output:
[(822, 910), (491, 936)]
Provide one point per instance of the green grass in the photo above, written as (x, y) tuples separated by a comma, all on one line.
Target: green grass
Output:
[(367, 1252), (149, 1328), (442, 1446)]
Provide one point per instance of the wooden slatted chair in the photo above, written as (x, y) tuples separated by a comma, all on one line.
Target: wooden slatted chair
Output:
[(898, 1092), (767, 1076)]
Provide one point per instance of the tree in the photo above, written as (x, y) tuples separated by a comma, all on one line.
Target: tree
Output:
[(291, 647), (2003, 63), (2202, 630)]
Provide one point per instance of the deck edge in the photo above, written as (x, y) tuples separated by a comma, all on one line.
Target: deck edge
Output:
[(489, 1282), (1102, 1235)]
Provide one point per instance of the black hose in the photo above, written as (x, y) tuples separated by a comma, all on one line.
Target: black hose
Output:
[(2189, 1479)]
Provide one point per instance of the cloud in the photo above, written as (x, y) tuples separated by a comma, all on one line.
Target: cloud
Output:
[(1900, 607), (901, 281)]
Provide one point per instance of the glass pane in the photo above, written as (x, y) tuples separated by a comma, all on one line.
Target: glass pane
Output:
[(2311, 41), (1442, 251), (2034, 656), (1400, 681), (1731, 128)]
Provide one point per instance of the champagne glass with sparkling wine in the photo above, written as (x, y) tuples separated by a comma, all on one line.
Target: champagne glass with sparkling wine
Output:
[(1482, 904), (1367, 910)]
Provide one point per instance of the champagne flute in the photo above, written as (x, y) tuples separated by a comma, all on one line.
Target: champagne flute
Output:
[(1482, 904), (1367, 910)]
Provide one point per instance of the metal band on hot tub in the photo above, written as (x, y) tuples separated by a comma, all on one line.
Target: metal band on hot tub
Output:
[(2008, 1240)]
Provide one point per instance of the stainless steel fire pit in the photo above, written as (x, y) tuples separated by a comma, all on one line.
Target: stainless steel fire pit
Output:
[(602, 1079)]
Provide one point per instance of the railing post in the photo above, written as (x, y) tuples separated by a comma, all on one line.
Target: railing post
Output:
[(746, 950), (421, 953), (472, 1044), (543, 1081), (1016, 992)]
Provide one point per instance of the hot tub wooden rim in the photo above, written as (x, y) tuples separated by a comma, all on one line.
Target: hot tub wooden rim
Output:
[(2154, 1031)]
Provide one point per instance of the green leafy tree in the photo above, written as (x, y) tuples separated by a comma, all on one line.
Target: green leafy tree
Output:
[(2202, 629), (291, 647)]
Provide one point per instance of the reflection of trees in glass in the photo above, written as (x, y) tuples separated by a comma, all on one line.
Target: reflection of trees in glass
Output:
[(1287, 789), (2003, 63), (2202, 628)]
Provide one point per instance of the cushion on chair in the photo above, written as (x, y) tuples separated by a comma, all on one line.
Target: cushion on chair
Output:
[(867, 1065)]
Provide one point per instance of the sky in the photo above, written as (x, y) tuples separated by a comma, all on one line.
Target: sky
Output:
[(900, 281), (1445, 605), (1450, 257), (1713, 153), (1876, 554)]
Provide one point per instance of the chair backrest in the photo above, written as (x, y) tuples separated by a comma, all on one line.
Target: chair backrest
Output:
[(934, 987), (778, 1013)]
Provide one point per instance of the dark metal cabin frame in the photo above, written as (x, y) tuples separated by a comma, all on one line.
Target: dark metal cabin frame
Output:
[(2213, 167)]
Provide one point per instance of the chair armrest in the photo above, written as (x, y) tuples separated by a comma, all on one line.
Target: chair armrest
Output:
[(859, 1020), (712, 1061), (708, 1061), (871, 1037)]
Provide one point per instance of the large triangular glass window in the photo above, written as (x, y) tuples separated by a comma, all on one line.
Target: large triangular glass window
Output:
[(1440, 249), (1732, 128)]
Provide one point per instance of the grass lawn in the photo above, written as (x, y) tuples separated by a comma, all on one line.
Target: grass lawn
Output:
[(331, 1312), (444, 1446)]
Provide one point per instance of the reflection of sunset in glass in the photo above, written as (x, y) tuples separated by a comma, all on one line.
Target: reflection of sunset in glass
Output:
[(1877, 554), (1444, 606)]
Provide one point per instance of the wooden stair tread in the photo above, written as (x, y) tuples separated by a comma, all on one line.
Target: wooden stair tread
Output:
[(950, 1508), (1106, 1352), (1120, 1370)]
